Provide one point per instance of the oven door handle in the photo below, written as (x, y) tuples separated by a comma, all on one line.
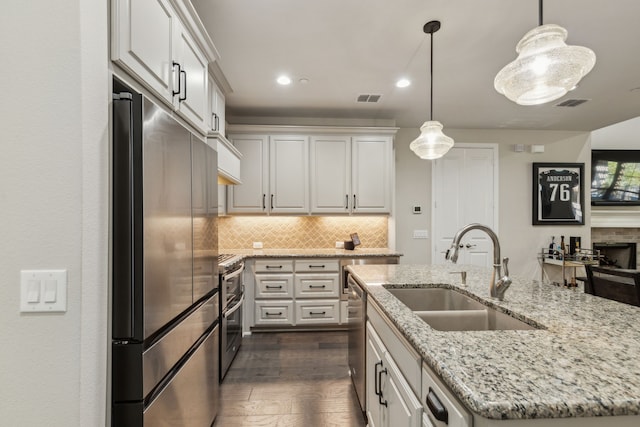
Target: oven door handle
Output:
[(233, 273), (234, 308)]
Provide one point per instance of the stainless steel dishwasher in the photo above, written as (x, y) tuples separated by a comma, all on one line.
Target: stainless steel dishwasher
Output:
[(357, 309)]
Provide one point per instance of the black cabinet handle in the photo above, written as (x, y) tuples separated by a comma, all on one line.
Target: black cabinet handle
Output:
[(375, 378), (316, 266), (312, 313), (317, 286), (436, 407), (274, 314), (276, 267), (185, 85), (274, 287), (272, 202), (380, 401), (175, 64), (264, 206), (354, 201), (346, 196)]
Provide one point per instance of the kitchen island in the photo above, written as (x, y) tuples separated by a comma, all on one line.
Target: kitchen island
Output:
[(580, 362)]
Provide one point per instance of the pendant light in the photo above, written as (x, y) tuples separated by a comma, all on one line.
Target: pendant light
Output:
[(432, 143), (546, 68)]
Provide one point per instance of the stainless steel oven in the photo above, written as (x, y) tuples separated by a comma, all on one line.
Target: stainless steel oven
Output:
[(231, 268)]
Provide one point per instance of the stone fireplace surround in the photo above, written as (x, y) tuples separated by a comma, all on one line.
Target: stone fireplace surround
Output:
[(616, 235)]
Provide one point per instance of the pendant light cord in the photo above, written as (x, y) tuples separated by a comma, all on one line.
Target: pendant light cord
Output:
[(540, 13), (431, 81)]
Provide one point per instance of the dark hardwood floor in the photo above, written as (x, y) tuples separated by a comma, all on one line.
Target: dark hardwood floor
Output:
[(290, 379)]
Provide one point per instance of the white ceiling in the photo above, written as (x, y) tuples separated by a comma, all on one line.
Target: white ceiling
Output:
[(350, 47)]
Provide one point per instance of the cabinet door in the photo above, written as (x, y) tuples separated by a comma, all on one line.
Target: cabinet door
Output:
[(192, 99), (374, 353), (142, 42), (250, 197), (403, 407), (289, 174), (330, 174), (222, 200), (216, 108), (371, 168)]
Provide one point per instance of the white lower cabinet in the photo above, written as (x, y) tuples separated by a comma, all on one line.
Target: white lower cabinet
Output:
[(317, 312), (274, 312), (296, 292), (390, 399), (440, 407)]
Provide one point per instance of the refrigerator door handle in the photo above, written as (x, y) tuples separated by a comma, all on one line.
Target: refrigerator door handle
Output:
[(123, 251)]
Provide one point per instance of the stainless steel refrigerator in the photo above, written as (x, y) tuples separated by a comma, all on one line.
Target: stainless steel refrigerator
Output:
[(165, 333)]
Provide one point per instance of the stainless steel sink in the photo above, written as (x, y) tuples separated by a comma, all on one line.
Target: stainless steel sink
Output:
[(448, 310), (430, 299)]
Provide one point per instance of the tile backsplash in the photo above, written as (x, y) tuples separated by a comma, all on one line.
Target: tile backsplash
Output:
[(301, 232)]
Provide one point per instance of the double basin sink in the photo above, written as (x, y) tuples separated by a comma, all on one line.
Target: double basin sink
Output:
[(448, 310)]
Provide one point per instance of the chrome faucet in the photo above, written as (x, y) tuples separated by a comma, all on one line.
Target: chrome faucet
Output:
[(496, 289)]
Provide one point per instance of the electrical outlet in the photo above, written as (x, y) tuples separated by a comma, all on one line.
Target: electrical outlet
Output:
[(420, 234), (257, 245)]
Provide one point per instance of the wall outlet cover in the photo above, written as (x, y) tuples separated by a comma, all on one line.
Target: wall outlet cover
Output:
[(257, 245)]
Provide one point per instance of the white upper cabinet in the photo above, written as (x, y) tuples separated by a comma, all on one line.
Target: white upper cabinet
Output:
[(371, 174), (251, 196), (192, 81), (161, 45), (289, 174), (313, 170), (216, 120), (351, 174), (330, 162), (142, 42)]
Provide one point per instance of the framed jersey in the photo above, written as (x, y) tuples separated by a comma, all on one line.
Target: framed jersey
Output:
[(558, 194)]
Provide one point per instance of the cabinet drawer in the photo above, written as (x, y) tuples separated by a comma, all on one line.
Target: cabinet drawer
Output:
[(309, 285), (458, 414), (274, 266), (274, 313), (317, 312), (274, 285), (317, 265)]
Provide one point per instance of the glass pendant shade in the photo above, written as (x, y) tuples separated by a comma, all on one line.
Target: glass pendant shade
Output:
[(546, 68), (432, 143)]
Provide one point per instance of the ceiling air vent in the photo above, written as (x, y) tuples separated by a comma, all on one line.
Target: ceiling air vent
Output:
[(571, 102), (368, 98)]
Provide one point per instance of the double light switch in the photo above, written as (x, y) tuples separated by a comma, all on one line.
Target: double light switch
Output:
[(43, 291)]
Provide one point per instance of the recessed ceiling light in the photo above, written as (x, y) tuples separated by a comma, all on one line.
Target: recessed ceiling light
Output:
[(304, 80), (403, 83), (283, 80)]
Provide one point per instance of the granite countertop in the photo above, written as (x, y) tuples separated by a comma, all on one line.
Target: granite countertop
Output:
[(311, 253), (584, 364)]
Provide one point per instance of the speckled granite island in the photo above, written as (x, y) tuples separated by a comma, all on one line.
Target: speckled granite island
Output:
[(584, 363)]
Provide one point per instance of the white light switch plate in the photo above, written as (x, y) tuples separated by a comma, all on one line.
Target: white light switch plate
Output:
[(43, 291), (420, 234)]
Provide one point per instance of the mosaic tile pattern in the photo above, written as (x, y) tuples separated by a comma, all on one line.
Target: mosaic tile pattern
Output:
[(301, 232), (584, 364)]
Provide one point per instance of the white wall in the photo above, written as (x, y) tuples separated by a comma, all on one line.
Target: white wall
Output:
[(53, 199), (520, 240), (623, 135)]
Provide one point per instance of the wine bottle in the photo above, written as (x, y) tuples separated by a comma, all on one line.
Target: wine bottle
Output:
[(552, 247), (561, 248)]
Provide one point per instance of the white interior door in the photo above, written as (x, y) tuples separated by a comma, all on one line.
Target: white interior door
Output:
[(465, 183)]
